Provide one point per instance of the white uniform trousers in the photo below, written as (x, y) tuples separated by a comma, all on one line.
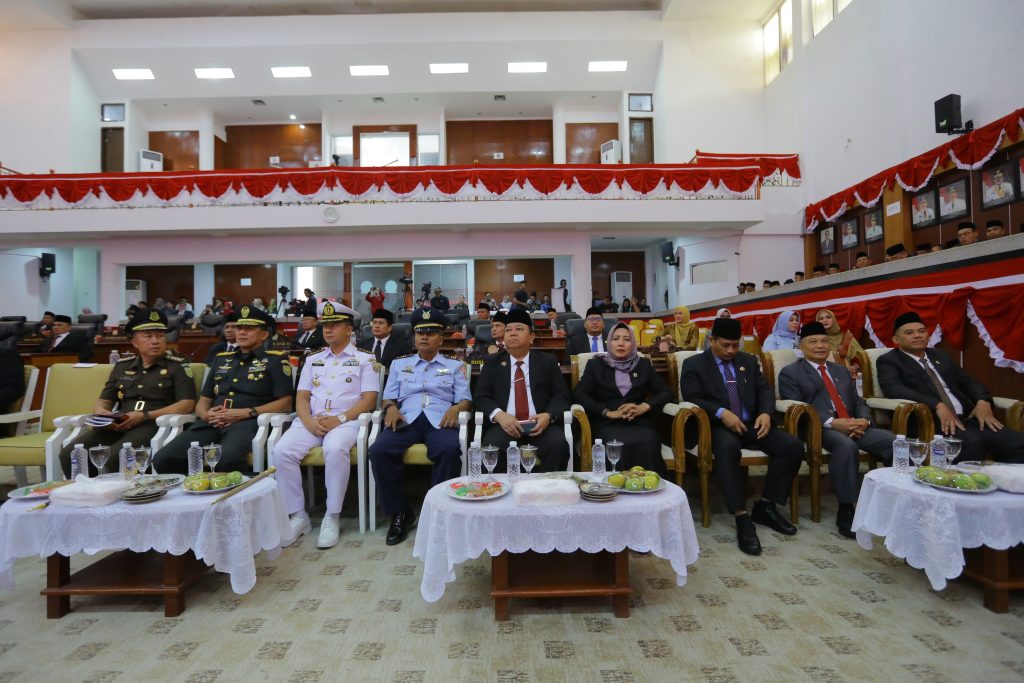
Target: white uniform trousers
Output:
[(295, 445)]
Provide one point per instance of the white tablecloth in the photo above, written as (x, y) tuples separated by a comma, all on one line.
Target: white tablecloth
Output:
[(930, 528), (452, 531), (225, 536)]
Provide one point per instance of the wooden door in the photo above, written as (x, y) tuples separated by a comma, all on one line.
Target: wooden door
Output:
[(641, 141), (112, 150)]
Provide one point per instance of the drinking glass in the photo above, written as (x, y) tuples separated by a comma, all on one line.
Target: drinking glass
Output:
[(613, 452), (490, 460), (952, 449), (528, 457), (918, 452), (142, 455), (99, 455), (211, 454)]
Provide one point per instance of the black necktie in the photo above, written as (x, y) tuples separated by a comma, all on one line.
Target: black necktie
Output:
[(733, 391), (377, 351), (937, 385)]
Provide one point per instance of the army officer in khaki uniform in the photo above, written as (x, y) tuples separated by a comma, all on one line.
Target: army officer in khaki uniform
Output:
[(239, 386), (141, 388)]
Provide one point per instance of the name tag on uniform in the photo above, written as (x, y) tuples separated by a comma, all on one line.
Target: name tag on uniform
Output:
[(129, 373), (407, 369), (318, 364), (443, 371), (350, 363)]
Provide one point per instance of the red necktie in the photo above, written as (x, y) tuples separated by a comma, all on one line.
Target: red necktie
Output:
[(522, 401), (833, 394)]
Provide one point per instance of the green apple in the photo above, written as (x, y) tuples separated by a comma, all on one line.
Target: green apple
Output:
[(964, 481), (617, 480), (635, 484), (981, 479), (235, 478)]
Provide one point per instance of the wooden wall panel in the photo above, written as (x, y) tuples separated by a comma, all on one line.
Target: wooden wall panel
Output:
[(220, 153), (252, 146), (604, 263), (168, 282), (495, 276), (227, 282), (583, 141), (179, 147), (521, 142)]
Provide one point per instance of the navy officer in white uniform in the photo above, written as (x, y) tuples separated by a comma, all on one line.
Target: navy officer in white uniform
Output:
[(337, 384), (424, 394)]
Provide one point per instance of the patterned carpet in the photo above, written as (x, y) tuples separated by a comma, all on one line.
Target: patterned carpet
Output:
[(814, 607)]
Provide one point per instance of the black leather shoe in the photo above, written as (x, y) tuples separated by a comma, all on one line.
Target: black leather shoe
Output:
[(764, 512), (844, 520), (746, 535), (401, 524)]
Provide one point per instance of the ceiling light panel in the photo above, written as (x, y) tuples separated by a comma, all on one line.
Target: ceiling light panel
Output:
[(450, 68), (291, 71), (214, 73), (369, 70), (527, 67), (607, 66), (133, 74)]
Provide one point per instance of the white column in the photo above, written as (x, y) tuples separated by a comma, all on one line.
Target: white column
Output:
[(112, 299), (624, 126), (558, 133), (580, 284), (207, 130), (86, 276), (202, 285)]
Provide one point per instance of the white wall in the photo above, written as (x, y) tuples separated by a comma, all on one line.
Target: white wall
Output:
[(28, 295), (84, 153), (136, 134), (86, 277)]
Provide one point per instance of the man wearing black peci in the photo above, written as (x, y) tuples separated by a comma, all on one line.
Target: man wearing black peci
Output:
[(384, 347), (727, 384), (309, 335)]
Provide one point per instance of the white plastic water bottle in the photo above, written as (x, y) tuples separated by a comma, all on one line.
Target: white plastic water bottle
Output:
[(901, 455), (474, 461), (597, 460), (127, 461), (938, 448), (513, 457), (195, 458), (79, 456), (114, 356)]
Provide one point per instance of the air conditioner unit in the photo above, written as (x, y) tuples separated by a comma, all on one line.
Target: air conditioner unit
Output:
[(150, 161), (622, 285), (611, 152)]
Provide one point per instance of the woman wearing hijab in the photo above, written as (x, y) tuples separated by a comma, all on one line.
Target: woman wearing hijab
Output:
[(844, 346), (720, 313), (621, 393), (682, 332), (784, 334)]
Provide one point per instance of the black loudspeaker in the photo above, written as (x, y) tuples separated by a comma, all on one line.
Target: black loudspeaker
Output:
[(668, 253), (947, 114), (47, 264)]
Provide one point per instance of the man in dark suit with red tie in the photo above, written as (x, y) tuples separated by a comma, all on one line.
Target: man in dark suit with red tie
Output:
[(961, 405), (518, 386), (845, 417), (63, 339), (727, 384)]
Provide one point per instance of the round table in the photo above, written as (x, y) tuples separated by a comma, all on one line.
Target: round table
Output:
[(452, 530), (930, 528)]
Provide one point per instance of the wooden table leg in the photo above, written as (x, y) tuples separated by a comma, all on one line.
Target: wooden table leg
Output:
[(499, 581), (620, 603), (174, 575), (58, 572), (996, 565)]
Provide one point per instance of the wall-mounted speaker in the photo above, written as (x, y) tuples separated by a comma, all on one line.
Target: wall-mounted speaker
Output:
[(668, 254), (47, 265)]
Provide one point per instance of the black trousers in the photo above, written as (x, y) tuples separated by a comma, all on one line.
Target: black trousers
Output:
[(1006, 445), (139, 435), (641, 445), (388, 463), (235, 441), (552, 448), (784, 450)]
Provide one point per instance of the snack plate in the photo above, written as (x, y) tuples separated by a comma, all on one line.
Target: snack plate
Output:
[(464, 485), (164, 481), (951, 489), (661, 487), (31, 493), (226, 488)]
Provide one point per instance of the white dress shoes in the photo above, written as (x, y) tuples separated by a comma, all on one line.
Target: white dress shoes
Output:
[(330, 529), (297, 526)]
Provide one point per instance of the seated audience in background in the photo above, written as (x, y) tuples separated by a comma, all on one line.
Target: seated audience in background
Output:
[(741, 288), (460, 304), (845, 347), (258, 304), (552, 319), (834, 268), (642, 307), (767, 284), (817, 271), (63, 339), (960, 404), (545, 304), (788, 281), (440, 301), (239, 386), (923, 248), (140, 388), (497, 335), (506, 303), (775, 283), (381, 344), (184, 309), (994, 229), (12, 379), (936, 248), (727, 384), (966, 233), (489, 300), (845, 417), (750, 287), (784, 334), (228, 343), (720, 313), (626, 306), (681, 331), (483, 311), (523, 397), (863, 260), (593, 339), (308, 335), (609, 306), (798, 276), (896, 252), (622, 393), (45, 326), (952, 244)]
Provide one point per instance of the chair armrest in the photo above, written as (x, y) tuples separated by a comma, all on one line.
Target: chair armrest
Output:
[(175, 421), (282, 419), (1014, 412), (576, 412), (888, 404), (478, 428), (259, 442), (682, 413), (567, 430), (375, 419), (1005, 403), (902, 410), (797, 412), (782, 405), (22, 416)]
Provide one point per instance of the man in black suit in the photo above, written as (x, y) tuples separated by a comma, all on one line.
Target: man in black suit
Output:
[(381, 345), (727, 384), (519, 386), (226, 344), (593, 341), (309, 335), (440, 301), (497, 341), (64, 339), (845, 417), (961, 405)]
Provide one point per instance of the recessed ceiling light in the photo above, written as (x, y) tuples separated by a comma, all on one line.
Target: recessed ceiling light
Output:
[(527, 67), (214, 73), (291, 71), (291, 116), (369, 70), (450, 68), (133, 74), (607, 66)]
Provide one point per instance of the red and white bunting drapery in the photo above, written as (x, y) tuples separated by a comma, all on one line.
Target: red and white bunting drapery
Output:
[(967, 152), (781, 169), (987, 295), (427, 183)]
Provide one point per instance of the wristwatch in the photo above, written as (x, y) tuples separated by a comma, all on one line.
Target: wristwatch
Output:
[(145, 414), (252, 412), (342, 419)]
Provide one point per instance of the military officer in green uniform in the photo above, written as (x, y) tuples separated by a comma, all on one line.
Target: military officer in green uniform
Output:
[(239, 386), (140, 388)]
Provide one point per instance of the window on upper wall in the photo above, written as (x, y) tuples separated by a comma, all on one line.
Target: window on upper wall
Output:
[(428, 149), (786, 32), (778, 41), (823, 11)]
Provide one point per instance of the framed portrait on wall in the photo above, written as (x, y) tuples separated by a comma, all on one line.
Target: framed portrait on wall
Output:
[(828, 241), (997, 186), (922, 209), (874, 230), (1020, 172), (849, 236), (953, 200)]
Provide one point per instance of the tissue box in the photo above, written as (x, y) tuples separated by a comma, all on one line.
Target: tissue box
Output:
[(545, 492), (87, 492), (1007, 477)]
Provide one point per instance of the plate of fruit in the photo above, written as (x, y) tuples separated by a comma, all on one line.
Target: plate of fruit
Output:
[(37, 491), (637, 480), (464, 489), (217, 482), (954, 480)]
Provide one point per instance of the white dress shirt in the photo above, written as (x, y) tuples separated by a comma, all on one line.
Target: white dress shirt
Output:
[(510, 406), (383, 342)]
